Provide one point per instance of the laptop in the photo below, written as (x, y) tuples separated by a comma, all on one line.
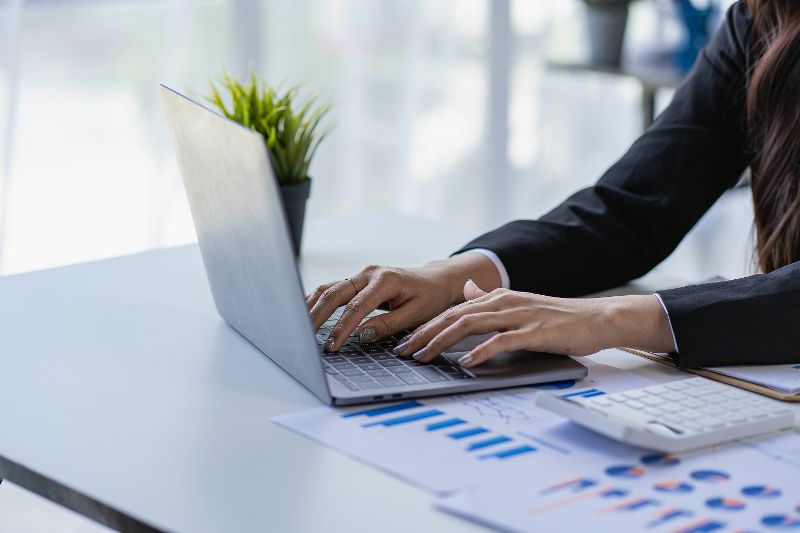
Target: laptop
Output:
[(252, 271)]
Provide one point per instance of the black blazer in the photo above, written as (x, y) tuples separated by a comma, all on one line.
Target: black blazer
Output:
[(641, 208)]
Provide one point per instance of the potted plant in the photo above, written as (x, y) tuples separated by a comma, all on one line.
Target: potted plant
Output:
[(606, 21), (289, 125)]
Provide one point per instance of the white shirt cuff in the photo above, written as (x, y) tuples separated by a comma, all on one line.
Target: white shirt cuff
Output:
[(501, 269), (669, 321)]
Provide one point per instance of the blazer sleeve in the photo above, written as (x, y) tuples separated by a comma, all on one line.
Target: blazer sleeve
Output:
[(641, 208), (752, 320)]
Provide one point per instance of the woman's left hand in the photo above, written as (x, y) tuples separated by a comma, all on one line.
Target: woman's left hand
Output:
[(524, 321)]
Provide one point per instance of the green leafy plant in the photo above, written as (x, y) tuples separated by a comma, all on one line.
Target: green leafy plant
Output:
[(290, 125)]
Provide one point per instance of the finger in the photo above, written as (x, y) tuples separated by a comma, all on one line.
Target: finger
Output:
[(502, 342), (472, 291), (330, 300), (385, 324), (365, 302), (312, 298), (471, 324), (430, 329)]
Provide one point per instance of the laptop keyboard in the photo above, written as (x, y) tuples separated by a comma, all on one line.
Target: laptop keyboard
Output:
[(373, 366)]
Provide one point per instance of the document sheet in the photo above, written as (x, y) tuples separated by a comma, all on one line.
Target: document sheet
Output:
[(454, 442), (741, 487)]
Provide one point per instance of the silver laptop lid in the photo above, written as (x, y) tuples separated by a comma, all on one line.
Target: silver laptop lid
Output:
[(243, 237)]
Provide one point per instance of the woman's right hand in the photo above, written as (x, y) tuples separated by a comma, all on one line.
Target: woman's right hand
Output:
[(414, 295)]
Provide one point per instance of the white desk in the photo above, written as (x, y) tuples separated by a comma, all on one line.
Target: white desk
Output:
[(125, 397)]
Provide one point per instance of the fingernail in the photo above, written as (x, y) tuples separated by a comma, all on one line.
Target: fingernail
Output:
[(366, 335), (404, 340), (465, 361), (329, 344), (400, 348), (420, 354)]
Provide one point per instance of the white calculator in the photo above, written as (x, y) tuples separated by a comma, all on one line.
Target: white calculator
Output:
[(675, 417)]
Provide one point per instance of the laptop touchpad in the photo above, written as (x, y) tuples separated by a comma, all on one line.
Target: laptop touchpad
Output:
[(504, 364)]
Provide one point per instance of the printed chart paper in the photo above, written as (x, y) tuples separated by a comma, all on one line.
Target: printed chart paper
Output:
[(737, 488), (453, 442)]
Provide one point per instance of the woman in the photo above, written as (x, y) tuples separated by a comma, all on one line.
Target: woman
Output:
[(739, 107)]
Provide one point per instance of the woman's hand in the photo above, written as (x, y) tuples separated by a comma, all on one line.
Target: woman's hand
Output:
[(415, 295), (567, 326)]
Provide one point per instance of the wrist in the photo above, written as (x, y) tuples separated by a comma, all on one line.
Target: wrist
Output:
[(456, 270), (635, 322)]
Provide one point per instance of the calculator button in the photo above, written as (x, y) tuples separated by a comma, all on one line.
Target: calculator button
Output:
[(653, 411), (658, 389), (714, 398), (692, 403), (633, 404), (778, 410), (616, 398), (602, 402), (692, 415), (652, 401), (758, 414), (735, 418), (677, 386), (712, 410), (635, 394), (671, 407)]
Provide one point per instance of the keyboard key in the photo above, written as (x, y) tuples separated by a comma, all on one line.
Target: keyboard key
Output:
[(431, 374), (329, 370), (379, 373), (343, 366), (399, 369), (390, 362), (360, 360), (411, 378), (335, 359), (370, 366), (383, 357), (389, 381), (355, 372)]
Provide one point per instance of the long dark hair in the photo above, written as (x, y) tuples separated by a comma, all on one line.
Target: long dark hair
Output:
[(773, 116)]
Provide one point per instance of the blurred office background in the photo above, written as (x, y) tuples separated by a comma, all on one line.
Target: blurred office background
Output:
[(448, 110)]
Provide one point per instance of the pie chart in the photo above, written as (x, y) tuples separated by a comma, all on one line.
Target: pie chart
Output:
[(761, 491), (710, 476), (661, 459), (626, 471), (726, 504), (781, 521), (678, 487)]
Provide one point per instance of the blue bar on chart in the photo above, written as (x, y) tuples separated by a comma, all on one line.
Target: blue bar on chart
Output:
[(467, 433), (590, 393), (488, 442), (444, 424), (505, 454), (385, 410), (404, 419), (702, 526)]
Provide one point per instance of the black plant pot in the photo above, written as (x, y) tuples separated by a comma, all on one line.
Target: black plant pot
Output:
[(294, 199)]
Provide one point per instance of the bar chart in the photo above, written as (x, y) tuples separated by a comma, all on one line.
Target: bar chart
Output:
[(490, 446)]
